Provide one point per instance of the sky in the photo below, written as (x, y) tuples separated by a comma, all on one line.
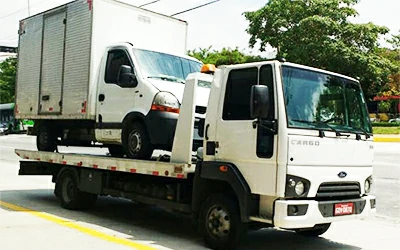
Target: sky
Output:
[(218, 25)]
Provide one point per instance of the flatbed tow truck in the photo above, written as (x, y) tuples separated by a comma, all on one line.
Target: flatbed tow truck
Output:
[(284, 145)]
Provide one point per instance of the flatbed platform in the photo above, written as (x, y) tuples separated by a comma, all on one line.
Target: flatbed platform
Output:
[(155, 168)]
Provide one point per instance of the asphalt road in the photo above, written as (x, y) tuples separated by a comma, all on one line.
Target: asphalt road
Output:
[(120, 224)]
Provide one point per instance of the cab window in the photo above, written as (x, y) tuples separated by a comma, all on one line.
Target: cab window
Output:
[(115, 59)]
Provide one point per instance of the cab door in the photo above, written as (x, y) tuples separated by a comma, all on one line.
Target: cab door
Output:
[(253, 149), (113, 100)]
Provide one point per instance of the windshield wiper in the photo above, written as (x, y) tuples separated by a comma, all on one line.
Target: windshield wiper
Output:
[(358, 137), (321, 132), (168, 78)]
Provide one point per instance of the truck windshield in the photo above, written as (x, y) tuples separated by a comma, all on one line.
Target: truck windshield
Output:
[(315, 100), (164, 66)]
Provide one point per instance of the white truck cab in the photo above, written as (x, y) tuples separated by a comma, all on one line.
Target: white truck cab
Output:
[(301, 138)]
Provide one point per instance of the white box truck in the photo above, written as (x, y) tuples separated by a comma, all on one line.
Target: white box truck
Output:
[(285, 145), (104, 71)]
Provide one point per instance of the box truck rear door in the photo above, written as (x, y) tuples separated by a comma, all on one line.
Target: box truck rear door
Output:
[(51, 80)]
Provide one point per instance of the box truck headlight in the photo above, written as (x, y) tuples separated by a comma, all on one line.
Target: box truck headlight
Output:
[(368, 184), (167, 102), (296, 186)]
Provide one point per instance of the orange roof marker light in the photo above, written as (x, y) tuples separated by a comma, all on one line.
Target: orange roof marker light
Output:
[(208, 69)]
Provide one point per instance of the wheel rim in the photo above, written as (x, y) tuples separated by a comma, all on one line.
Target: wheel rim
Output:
[(135, 142), (218, 222), (68, 191)]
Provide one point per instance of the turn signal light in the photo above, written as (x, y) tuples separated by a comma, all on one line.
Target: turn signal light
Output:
[(223, 168)]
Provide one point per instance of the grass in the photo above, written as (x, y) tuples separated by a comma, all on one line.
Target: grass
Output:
[(386, 130)]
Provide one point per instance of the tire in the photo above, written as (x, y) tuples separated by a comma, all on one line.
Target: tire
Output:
[(137, 142), (46, 139), (70, 196), (116, 150), (220, 224), (315, 231)]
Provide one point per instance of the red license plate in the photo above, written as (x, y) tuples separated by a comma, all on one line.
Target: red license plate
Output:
[(344, 208)]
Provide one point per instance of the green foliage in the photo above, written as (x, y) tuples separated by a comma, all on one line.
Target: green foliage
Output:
[(226, 56), (392, 87), (385, 124), (384, 106), (395, 41), (8, 71), (318, 33)]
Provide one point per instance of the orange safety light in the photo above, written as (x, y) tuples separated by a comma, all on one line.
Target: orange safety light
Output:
[(208, 69)]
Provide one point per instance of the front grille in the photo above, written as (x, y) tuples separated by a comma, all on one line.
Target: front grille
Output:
[(201, 110), (338, 189)]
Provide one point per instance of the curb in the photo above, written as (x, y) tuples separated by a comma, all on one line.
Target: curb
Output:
[(386, 139)]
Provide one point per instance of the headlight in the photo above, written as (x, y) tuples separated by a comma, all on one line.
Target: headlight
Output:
[(165, 101), (296, 186), (299, 188), (367, 185)]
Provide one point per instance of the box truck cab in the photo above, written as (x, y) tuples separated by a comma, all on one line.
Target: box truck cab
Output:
[(104, 71), (139, 95)]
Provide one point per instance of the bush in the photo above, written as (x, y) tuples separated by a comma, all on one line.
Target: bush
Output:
[(385, 124)]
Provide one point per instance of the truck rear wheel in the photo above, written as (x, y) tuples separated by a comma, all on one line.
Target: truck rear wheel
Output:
[(46, 139), (70, 196), (220, 223), (137, 144), (315, 231)]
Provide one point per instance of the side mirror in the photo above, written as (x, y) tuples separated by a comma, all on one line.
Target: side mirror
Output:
[(259, 102), (126, 78)]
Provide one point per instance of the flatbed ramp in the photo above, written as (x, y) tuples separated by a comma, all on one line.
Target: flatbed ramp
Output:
[(155, 168)]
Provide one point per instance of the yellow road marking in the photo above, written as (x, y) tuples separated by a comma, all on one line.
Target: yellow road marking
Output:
[(77, 227)]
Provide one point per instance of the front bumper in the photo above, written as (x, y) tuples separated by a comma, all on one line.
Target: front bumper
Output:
[(320, 212), (161, 127)]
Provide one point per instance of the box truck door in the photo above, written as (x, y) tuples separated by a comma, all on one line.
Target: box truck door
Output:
[(251, 149), (114, 101), (51, 79)]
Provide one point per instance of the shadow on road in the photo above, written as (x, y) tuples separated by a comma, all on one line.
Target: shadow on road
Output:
[(144, 222)]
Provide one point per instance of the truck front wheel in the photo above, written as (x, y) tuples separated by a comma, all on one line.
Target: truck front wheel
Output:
[(315, 231), (220, 223), (70, 196), (137, 144), (46, 139)]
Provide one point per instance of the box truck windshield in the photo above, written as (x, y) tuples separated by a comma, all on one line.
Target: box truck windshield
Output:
[(336, 103), (164, 66)]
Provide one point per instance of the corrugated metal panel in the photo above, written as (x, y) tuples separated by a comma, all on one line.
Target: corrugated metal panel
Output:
[(77, 59), (29, 57), (52, 63)]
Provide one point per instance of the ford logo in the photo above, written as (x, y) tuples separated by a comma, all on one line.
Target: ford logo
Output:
[(342, 174)]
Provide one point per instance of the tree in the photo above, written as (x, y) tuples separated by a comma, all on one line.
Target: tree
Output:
[(318, 33), (395, 41), (224, 57), (8, 71)]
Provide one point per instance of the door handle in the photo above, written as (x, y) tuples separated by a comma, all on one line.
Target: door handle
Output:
[(206, 133), (102, 97)]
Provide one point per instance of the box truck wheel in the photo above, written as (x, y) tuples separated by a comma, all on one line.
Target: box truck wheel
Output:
[(220, 223), (69, 194), (46, 139), (137, 144), (315, 231)]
